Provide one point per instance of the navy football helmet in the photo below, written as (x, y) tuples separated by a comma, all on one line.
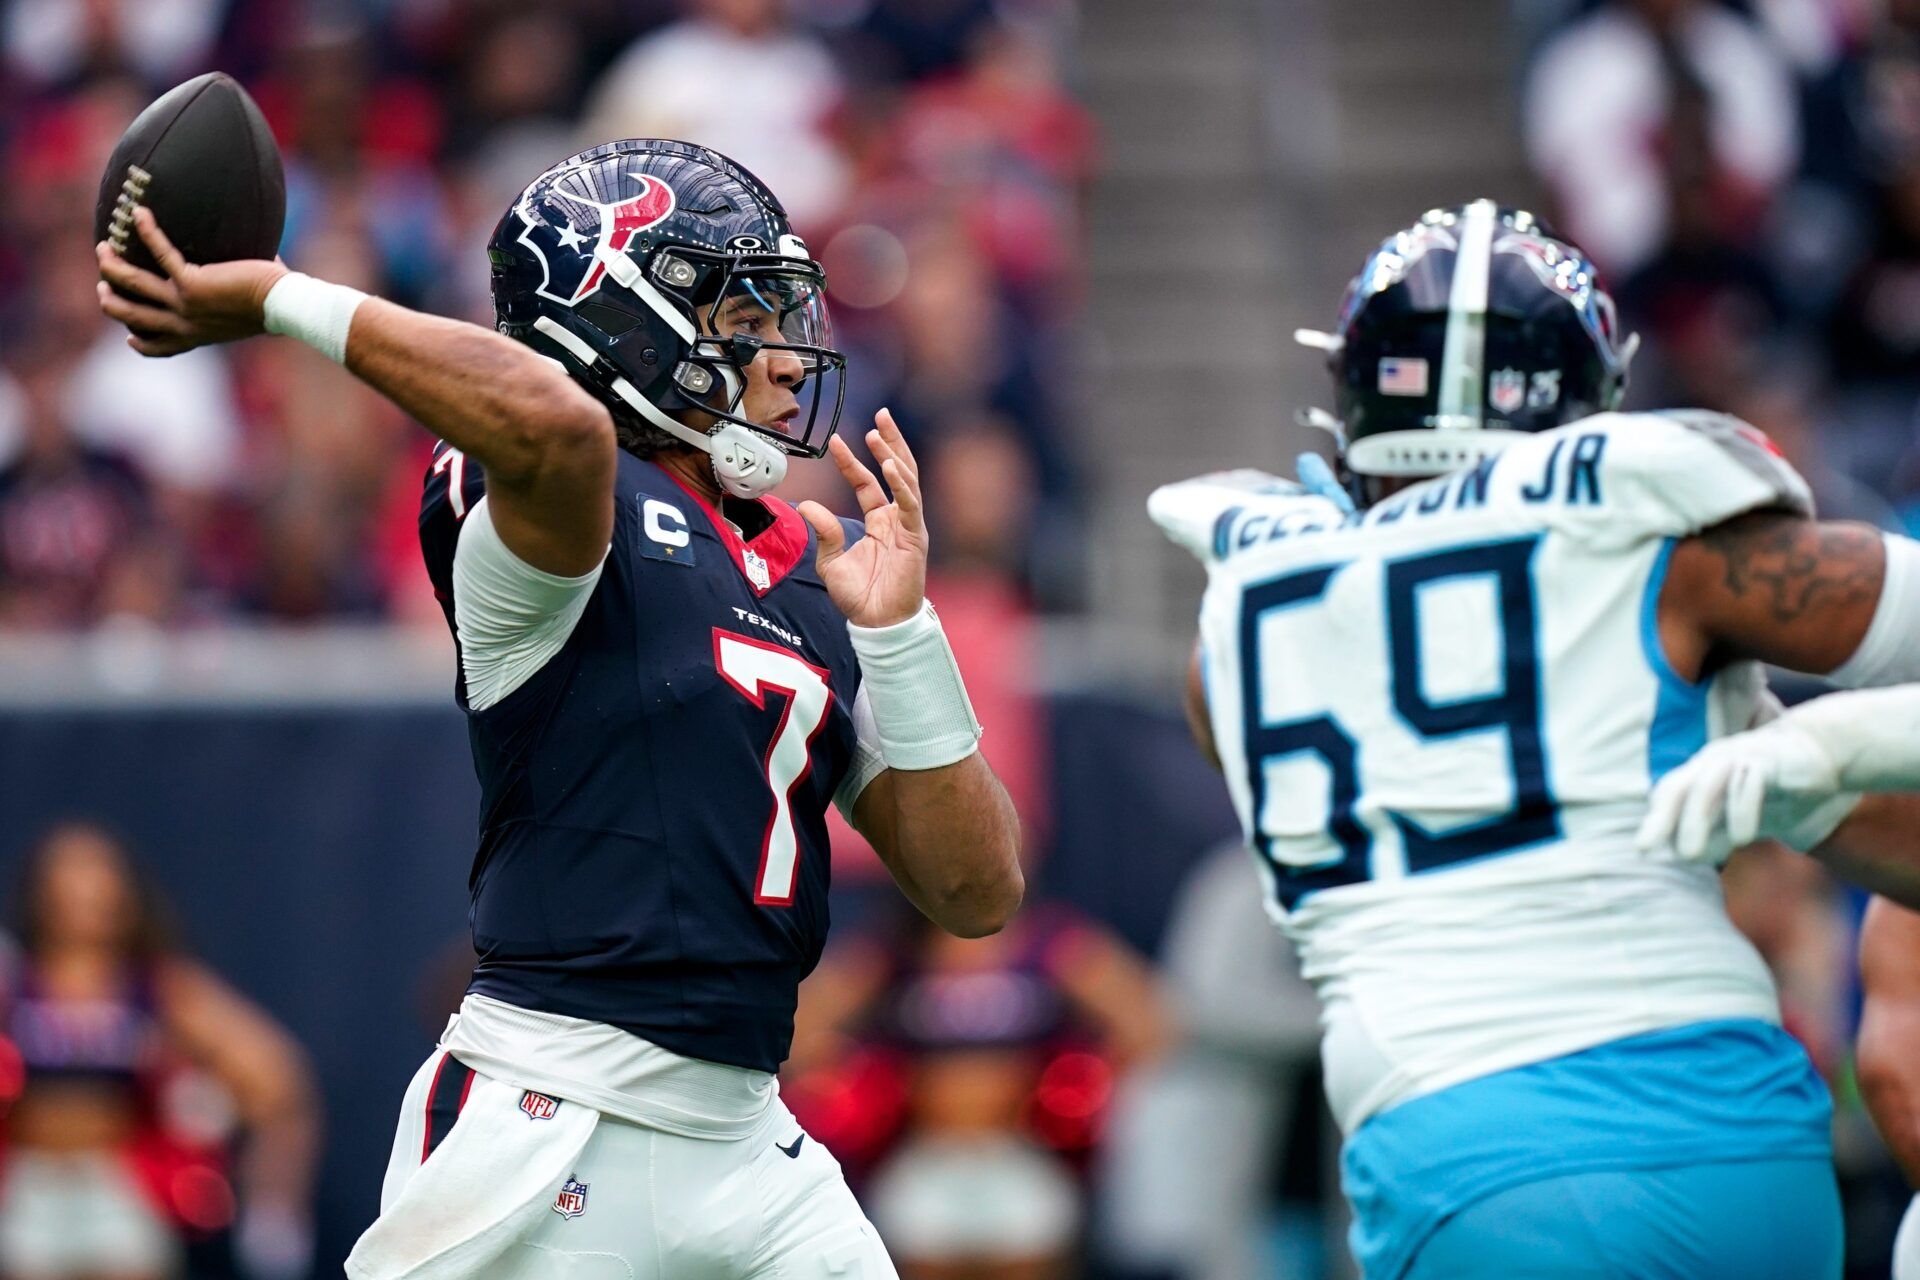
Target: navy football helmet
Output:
[(656, 272), (1469, 328)]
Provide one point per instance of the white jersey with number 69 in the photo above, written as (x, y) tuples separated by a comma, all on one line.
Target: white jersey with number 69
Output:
[(1440, 721)]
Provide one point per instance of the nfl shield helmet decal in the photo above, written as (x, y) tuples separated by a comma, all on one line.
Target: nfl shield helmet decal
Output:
[(570, 227), (1507, 390), (539, 1106), (572, 1200)]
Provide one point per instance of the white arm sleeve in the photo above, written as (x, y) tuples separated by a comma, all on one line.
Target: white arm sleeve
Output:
[(511, 618), (1887, 654), (1867, 740), (867, 761)]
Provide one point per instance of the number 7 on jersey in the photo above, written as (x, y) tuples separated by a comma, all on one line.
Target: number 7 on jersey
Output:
[(753, 668)]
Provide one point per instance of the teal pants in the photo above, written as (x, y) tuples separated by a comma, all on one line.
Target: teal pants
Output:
[(1757, 1220)]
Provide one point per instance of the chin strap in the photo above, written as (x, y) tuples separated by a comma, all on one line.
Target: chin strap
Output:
[(745, 464)]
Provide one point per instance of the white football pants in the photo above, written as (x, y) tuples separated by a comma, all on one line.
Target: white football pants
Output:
[(522, 1187)]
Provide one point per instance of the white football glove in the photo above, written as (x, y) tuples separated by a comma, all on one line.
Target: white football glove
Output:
[(1772, 783), (1793, 780)]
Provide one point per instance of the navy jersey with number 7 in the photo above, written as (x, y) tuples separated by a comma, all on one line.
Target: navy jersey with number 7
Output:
[(653, 842)]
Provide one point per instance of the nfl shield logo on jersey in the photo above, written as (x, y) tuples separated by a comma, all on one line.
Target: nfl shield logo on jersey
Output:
[(1507, 390), (538, 1106), (756, 568), (572, 1200)]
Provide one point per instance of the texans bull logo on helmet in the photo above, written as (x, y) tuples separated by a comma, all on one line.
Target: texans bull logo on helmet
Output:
[(570, 254)]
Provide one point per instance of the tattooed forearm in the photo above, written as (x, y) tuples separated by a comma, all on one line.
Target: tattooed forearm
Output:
[(1793, 567), (1780, 588)]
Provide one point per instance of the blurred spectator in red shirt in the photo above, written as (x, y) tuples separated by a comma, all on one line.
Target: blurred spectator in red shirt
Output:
[(312, 562), (334, 447), (734, 76), (1016, 150)]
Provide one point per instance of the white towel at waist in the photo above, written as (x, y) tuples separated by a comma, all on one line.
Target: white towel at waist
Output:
[(493, 1175)]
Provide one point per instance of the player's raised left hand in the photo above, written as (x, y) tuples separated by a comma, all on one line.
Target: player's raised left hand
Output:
[(881, 579), (188, 306)]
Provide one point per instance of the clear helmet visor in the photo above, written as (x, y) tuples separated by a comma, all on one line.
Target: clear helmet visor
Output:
[(769, 341), (790, 304)]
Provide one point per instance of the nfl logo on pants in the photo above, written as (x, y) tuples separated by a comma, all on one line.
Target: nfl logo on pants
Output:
[(572, 1200), (538, 1106)]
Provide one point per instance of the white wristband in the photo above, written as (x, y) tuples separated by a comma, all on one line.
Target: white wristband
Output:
[(317, 313), (919, 702)]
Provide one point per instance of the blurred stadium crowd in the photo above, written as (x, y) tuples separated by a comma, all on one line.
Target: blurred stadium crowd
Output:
[(1748, 175), (926, 149)]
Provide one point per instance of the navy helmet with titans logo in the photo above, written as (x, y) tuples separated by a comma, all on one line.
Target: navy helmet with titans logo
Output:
[(1467, 329), (656, 272)]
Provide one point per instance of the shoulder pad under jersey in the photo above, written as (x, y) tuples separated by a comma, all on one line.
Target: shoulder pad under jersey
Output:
[(1687, 470), (1197, 513)]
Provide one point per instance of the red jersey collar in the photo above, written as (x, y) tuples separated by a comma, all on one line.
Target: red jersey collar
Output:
[(780, 546)]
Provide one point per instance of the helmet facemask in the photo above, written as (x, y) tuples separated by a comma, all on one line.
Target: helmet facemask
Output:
[(726, 312), (749, 308)]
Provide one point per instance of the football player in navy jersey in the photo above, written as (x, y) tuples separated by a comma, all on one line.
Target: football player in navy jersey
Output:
[(669, 675)]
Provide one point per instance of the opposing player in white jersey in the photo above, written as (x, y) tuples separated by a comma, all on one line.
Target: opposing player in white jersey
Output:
[(1440, 717)]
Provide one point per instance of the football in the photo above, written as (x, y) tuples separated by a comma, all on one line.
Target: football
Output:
[(202, 158)]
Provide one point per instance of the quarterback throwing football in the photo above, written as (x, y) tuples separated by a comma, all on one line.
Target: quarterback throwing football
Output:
[(669, 675)]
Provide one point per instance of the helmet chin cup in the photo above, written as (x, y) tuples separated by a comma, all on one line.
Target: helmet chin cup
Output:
[(746, 465)]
